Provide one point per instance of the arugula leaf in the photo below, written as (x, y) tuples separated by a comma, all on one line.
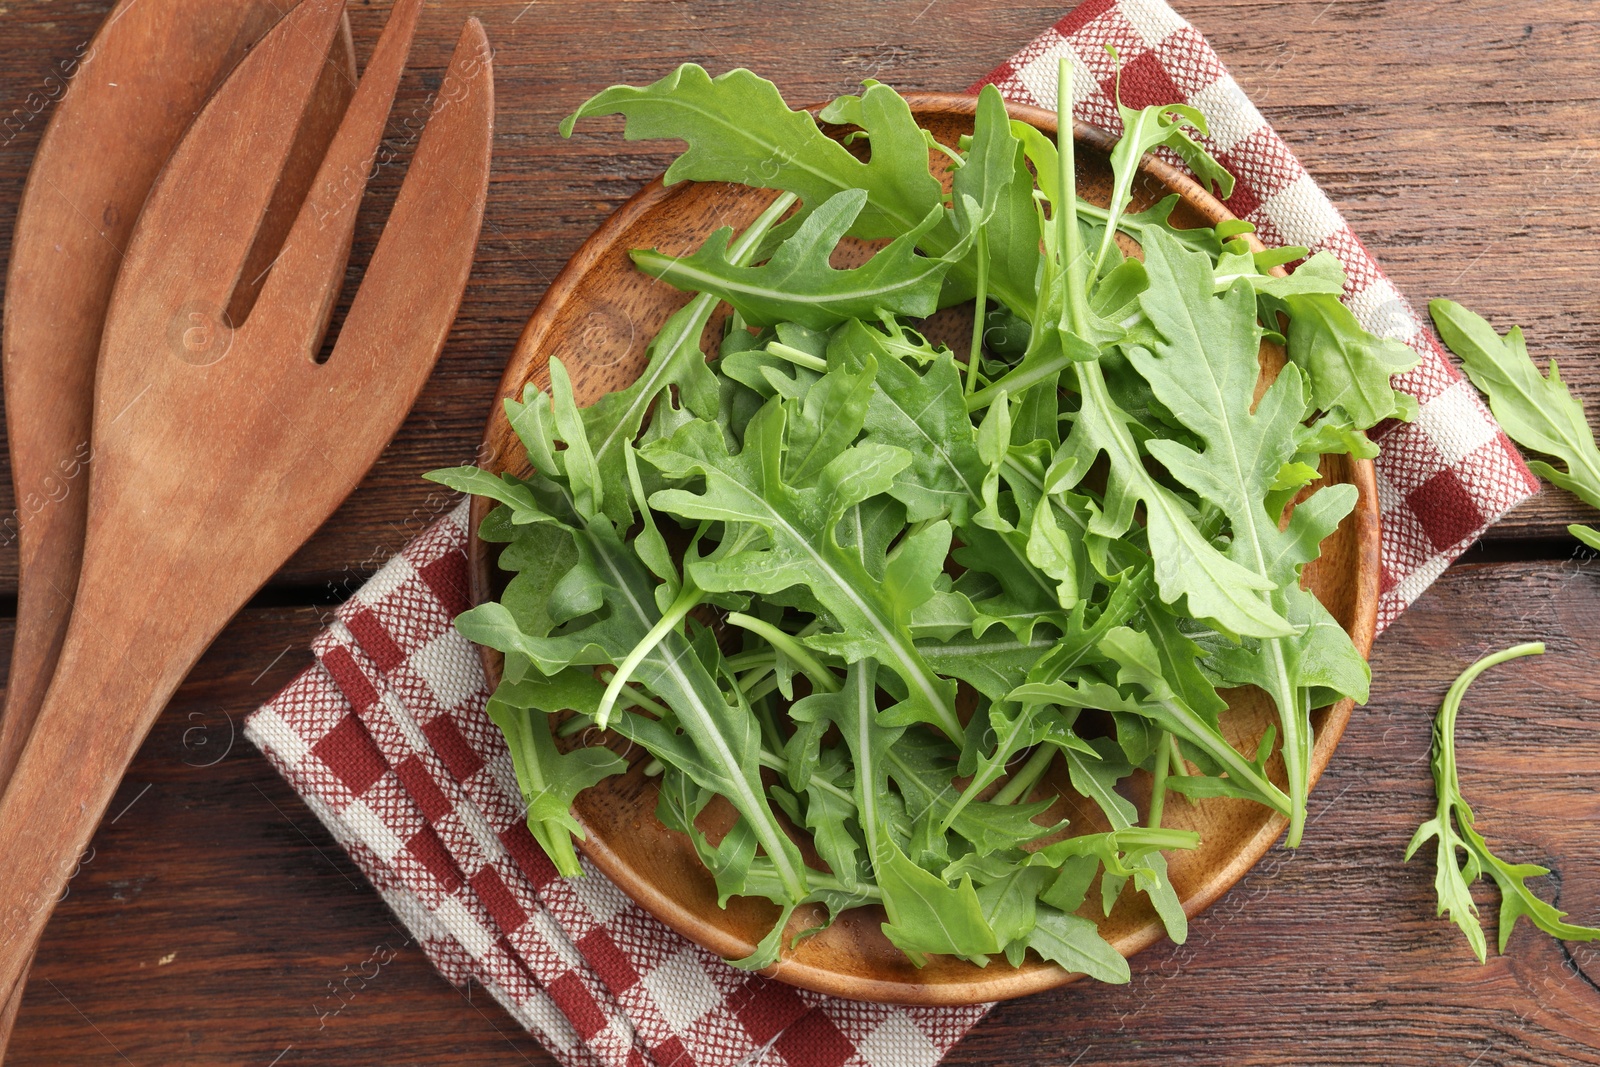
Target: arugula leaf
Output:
[(1453, 828), (1144, 130), (1139, 665), (995, 176), (994, 664), (675, 359), (1096, 779), (1010, 904), (798, 284), (1322, 274), (723, 735), (1075, 943), (924, 769), (830, 810), (738, 129), (923, 413), (1537, 412), (551, 779), (1187, 565), (1158, 215), (1205, 365), (1348, 367), (502, 488), (1015, 728), (925, 913)]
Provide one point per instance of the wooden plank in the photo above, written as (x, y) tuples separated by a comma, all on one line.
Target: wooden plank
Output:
[(1457, 141), (1327, 955)]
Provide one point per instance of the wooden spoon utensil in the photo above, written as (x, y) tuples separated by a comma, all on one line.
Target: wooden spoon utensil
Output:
[(219, 448)]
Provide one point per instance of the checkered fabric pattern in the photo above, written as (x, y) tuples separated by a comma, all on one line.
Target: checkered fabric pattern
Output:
[(387, 741), (1443, 479)]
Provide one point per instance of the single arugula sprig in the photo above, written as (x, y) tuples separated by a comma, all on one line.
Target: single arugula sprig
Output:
[(738, 129), (1453, 827), (799, 285), (1538, 413)]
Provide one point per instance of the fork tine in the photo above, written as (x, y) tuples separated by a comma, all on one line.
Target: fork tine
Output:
[(413, 286), (298, 297), (192, 249)]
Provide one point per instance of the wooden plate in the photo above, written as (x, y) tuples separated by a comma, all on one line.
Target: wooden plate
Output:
[(597, 317)]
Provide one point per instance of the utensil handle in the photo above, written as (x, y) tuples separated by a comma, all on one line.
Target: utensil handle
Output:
[(8, 1012), (121, 662), (41, 626), (52, 547)]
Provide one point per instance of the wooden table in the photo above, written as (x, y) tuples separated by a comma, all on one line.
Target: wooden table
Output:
[(215, 915)]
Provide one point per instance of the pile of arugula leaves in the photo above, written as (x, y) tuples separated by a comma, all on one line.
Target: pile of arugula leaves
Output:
[(868, 590)]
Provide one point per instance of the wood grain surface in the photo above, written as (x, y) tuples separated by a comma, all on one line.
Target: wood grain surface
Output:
[(1457, 137)]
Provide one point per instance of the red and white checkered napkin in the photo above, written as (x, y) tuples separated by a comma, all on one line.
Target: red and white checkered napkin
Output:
[(387, 741)]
